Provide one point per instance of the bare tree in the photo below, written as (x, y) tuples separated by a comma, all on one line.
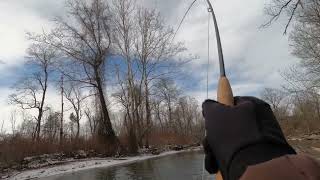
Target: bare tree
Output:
[(85, 39), (144, 41), (303, 97), (13, 121), (303, 110), (31, 91), (52, 125), (186, 115), (62, 110), (75, 97), (93, 120), (130, 99), (304, 37), (129, 94), (28, 125), (277, 7), (273, 97), (276, 99), (159, 113), (155, 52), (168, 91), (302, 80), (305, 42)]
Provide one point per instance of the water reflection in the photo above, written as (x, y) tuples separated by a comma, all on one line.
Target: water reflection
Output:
[(180, 166)]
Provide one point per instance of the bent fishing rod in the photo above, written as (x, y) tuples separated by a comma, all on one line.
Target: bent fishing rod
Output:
[(224, 93)]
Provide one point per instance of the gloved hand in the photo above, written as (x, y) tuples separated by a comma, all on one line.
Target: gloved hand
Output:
[(245, 134)]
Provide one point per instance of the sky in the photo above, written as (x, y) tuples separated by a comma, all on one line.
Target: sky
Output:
[(254, 56)]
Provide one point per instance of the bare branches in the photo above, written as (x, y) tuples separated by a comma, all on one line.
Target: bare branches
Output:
[(302, 80), (277, 7), (84, 39), (79, 48), (31, 91), (305, 43), (93, 120), (275, 13)]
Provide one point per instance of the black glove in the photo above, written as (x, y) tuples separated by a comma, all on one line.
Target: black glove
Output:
[(245, 134)]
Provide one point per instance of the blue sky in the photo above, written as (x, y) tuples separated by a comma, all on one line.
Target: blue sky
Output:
[(254, 57)]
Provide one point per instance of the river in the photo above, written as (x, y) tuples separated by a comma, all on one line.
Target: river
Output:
[(184, 166)]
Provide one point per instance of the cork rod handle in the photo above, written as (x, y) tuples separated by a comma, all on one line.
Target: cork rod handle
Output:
[(225, 95)]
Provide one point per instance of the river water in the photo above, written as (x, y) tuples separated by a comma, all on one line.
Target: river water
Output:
[(184, 166)]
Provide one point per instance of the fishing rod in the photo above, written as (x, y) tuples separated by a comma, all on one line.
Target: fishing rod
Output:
[(224, 94)]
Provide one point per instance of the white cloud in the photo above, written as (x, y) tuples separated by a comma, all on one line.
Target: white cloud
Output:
[(18, 17)]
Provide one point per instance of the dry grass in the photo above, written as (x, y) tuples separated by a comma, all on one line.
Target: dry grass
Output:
[(13, 149), (167, 138), (295, 127)]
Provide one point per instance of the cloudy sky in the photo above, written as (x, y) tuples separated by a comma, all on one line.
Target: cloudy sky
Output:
[(253, 56)]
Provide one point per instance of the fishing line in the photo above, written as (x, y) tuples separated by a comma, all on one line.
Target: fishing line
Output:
[(208, 62), (176, 32), (185, 15)]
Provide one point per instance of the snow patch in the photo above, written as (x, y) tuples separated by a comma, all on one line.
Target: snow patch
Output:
[(87, 164)]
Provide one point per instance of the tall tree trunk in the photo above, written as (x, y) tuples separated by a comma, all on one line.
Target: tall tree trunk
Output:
[(139, 129), (138, 118), (148, 114), (78, 126), (42, 103), (38, 125), (317, 105), (61, 118), (134, 104), (170, 116), (105, 127), (159, 117)]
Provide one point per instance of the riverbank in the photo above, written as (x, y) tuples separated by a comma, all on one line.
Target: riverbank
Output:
[(73, 165), (50, 165), (306, 144)]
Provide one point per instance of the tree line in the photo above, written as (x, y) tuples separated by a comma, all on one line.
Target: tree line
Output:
[(297, 103), (101, 56)]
